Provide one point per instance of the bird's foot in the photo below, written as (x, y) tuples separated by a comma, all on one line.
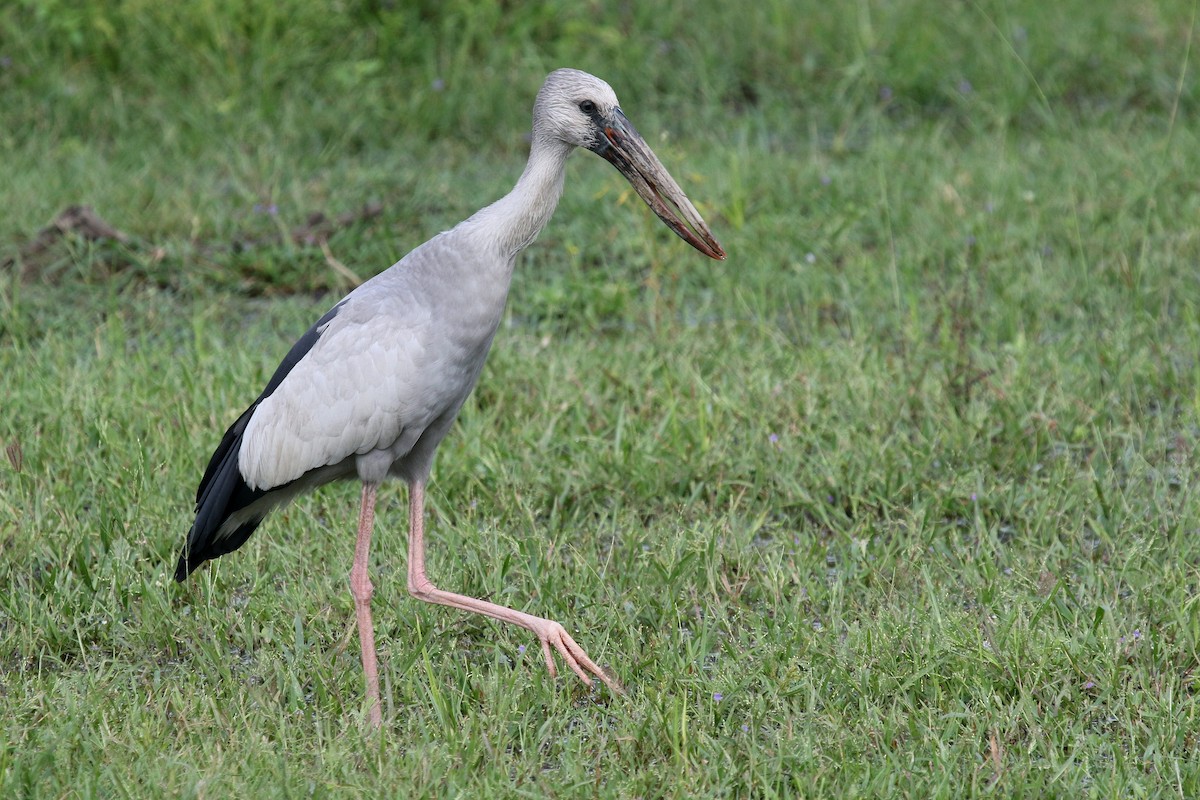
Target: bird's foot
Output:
[(554, 636)]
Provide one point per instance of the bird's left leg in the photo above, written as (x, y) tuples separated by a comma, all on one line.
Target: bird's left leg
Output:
[(552, 635), (361, 589)]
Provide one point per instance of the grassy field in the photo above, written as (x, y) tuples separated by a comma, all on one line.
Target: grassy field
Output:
[(900, 500)]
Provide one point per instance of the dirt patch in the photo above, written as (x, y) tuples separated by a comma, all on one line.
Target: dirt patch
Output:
[(48, 256)]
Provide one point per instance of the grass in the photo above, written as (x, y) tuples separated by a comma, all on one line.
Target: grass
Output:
[(901, 500)]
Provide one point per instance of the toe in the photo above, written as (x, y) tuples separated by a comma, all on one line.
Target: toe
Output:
[(555, 637)]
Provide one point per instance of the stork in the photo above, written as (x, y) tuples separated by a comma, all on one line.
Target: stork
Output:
[(370, 390)]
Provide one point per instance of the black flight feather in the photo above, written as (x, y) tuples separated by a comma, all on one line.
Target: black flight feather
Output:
[(223, 491)]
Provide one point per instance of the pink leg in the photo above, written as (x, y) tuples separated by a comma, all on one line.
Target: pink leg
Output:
[(552, 635), (361, 589)]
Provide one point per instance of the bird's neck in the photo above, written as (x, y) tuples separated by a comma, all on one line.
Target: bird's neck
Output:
[(515, 220)]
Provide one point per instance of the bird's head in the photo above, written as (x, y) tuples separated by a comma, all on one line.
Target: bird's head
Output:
[(569, 106), (580, 110)]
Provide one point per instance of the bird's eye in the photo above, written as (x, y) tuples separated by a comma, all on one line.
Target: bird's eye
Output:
[(587, 107)]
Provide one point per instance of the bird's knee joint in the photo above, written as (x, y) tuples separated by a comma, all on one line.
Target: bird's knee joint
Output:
[(420, 588)]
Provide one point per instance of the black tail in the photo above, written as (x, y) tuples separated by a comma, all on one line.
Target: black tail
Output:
[(222, 493)]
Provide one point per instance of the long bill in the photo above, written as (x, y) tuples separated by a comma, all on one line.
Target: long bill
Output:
[(626, 150)]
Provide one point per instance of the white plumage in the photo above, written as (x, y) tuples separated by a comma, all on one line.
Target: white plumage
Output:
[(373, 387)]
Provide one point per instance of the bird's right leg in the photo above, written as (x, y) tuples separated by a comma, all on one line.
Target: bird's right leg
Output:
[(361, 589), (552, 635)]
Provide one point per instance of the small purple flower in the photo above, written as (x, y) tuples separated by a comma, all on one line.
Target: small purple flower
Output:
[(1090, 685), (965, 86), (521, 649), (745, 729), (718, 697), (1137, 634), (773, 438), (974, 497)]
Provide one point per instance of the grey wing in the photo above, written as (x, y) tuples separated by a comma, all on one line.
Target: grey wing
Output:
[(404, 350), (227, 509), (355, 391)]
